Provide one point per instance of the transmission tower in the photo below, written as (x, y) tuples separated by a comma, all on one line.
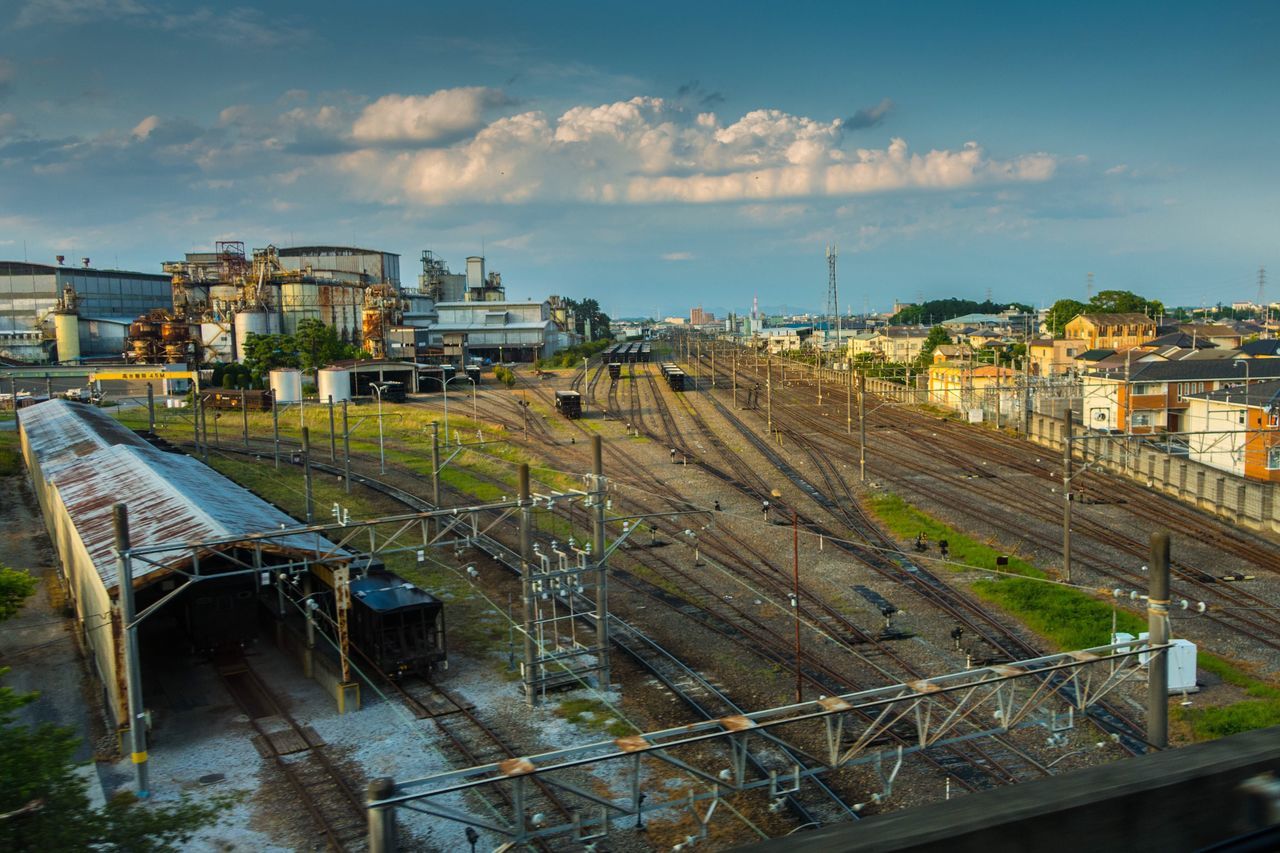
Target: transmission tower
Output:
[(833, 300)]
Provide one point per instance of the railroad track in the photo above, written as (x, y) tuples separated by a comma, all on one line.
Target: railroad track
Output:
[(334, 807), (1234, 608)]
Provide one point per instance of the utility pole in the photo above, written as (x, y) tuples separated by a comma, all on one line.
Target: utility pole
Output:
[(526, 582), (151, 408), (735, 378), (713, 364), (346, 450), (1158, 635), (795, 550), (435, 464), (602, 573), (333, 436), (768, 393), (275, 431), (848, 400), (306, 472), (244, 415), (132, 659), (862, 427), (1066, 497)]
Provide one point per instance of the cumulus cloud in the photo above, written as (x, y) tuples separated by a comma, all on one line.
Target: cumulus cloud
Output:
[(678, 256), (426, 118), (642, 150), (869, 116), (144, 128)]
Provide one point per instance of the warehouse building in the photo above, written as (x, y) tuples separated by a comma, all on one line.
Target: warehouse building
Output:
[(106, 301), (499, 331), (82, 462)]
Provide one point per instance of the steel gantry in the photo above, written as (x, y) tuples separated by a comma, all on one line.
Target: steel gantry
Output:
[(832, 732)]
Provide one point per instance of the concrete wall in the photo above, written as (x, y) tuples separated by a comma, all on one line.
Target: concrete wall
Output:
[(1247, 503)]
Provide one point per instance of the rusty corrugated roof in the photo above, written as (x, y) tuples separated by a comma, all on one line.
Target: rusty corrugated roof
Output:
[(94, 462)]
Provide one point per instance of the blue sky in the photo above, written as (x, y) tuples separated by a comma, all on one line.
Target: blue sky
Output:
[(661, 155)]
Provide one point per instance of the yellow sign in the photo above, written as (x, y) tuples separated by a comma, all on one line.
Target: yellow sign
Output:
[(142, 374)]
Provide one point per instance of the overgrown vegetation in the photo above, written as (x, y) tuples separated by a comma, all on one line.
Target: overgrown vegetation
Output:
[(1068, 618), (313, 345), (44, 803), (505, 375), (10, 458), (1073, 620), (593, 715), (937, 310), (572, 356)]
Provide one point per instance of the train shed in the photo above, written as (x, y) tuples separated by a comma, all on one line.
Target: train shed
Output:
[(82, 462)]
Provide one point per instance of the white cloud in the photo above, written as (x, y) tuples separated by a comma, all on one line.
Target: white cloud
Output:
[(678, 256), (1118, 170), (65, 12), (143, 128), (236, 25), (426, 118), (643, 150)]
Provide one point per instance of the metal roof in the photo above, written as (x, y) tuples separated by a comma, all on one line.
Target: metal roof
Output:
[(387, 593), (1263, 394), (94, 463)]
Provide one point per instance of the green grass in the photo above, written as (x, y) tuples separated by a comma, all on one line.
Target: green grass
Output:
[(1072, 619), (10, 457), (593, 715), (1261, 710), (1068, 618)]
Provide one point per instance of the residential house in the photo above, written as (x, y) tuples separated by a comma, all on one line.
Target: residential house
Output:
[(1150, 396), (864, 344), (1111, 331), (1237, 430), (902, 343), (962, 386), (1261, 349), (1053, 357), (1216, 333), (945, 353)]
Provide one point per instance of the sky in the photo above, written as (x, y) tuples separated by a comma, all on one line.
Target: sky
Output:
[(657, 156)]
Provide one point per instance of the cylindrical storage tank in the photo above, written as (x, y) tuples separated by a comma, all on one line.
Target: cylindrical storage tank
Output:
[(333, 382), (247, 323), (66, 330), (286, 385), (215, 341)]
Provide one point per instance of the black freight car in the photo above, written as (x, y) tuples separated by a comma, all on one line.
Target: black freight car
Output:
[(396, 624), (569, 403)]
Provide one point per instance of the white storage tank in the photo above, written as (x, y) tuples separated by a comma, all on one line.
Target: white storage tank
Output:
[(215, 341), (333, 382), (286, 385), (249, 322)]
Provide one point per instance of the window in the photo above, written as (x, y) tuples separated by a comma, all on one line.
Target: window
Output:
[(1273, 458), (1142, 419), (1148, 388)]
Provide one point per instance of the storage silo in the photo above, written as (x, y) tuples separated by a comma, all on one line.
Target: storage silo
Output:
[(333, 382), (286, 385), (66, 330), (247, 323)]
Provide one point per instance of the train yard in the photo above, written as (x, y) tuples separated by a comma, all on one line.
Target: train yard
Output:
[(750, 571)]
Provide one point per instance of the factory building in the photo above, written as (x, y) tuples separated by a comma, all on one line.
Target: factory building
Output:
[(81, 462), (500, 331), (225, 295), (98, 304)]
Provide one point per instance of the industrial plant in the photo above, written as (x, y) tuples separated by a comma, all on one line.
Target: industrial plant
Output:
[(204, 308)]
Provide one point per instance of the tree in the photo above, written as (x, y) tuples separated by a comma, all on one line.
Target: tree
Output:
[(15, 587), (1124, 302), (945, 309), (318, 345), (1062, 313), (44, 804), (589, 309), (937, 337)]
